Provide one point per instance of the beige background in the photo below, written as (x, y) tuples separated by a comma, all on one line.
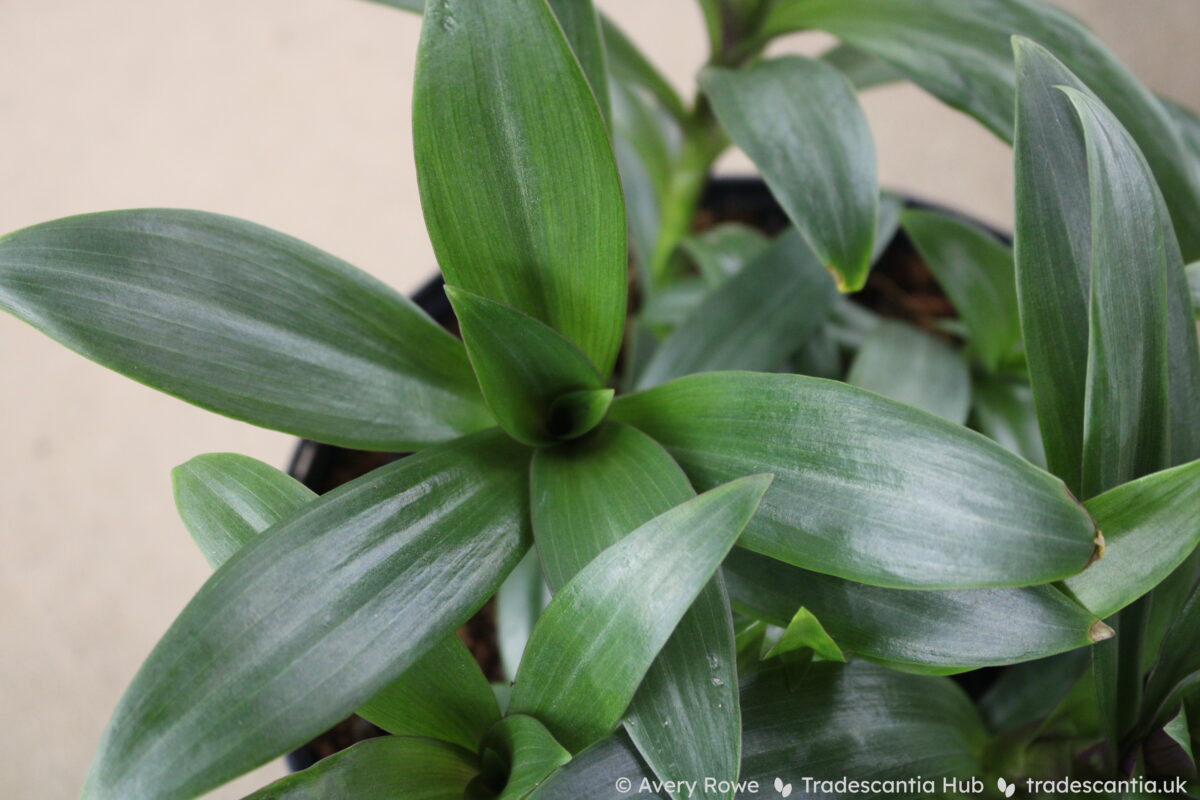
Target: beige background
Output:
[(292, 113)]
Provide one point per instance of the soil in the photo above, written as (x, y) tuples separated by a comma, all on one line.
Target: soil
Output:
[(900, 286)]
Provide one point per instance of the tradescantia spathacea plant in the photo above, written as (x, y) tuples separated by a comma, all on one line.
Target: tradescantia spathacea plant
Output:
[(754, 574)]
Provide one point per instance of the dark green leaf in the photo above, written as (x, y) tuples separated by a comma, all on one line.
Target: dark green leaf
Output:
[(722, 251), (864, 70), (243, 321), (1025, 693), (386, 768), (644, 159), (587, 497), (575, 413), (226, 499), (1193, 279), (754, 320), (916, 631), (855, 720), (523, 367), (315, 615), (801, 125), (915, 368), (675, 302), (960, 51), (521, 196), (527, 751), (581, 24), (1188, 124), (1127, 426), (866, 488), (604, 627), (976, 272), (887, 222), (629, 65), (1002, 408), (1150, 526), (443, 696), (1178, 669)]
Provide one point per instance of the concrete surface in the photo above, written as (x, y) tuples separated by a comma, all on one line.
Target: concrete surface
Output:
[(292, 113)]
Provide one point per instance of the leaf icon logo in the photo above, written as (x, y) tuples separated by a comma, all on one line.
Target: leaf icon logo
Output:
[(784, 789), (1005, 787)]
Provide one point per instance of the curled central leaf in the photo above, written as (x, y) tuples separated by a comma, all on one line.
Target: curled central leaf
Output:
[(575, 413)]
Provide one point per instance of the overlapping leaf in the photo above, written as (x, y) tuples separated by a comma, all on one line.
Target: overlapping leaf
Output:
[(587, 496), (913, 367), (799, 121), (244, 321), (314, 616), (521, 196), (866, 488)]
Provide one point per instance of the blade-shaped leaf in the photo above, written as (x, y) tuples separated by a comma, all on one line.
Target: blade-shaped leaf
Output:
[(226, 499), (723, 250), (521, 196), (524, 367), (587, 496), (1002, 409), (754, 320), (381, 769), (443, 695), (527, 751), (629, 65), (604, 627), (1193, 279), (856, 721), (866, 488), (519, 603), (916, 631), (416, 6), (1127, 402), (581, 24), (315, 615), (244, 321), (915, 368), (1178, 669), (976, 272), (1150, 527), (864, 70), (800, 123), (960, 51), (1028, 692), (805, 631)]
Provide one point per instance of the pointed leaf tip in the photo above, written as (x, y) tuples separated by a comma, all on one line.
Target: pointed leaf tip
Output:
[(1098, 632)]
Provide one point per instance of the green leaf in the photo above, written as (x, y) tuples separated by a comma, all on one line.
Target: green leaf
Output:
[(581, 25), (1178, 669), (1193, 279), (604, 627), (315, 615), (916, 631), (1150, 527), (887, 222), (526, 751), (588, 496), (1188, 124), (960, 51), (976, 272), (864, 70), (800, 123), (226, 499), (243, 321), (644, 160), (1127, 400), (866, 488), (754, 320), (627, 64), (1002, 409), (1028, 692), (806, 631), (519, 603), (521, 196), (675, 302), (853, 720), (723, 250), (417, 6), (915, 368), (381, 769), (834, 721), (443, 696), (524, 368)]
